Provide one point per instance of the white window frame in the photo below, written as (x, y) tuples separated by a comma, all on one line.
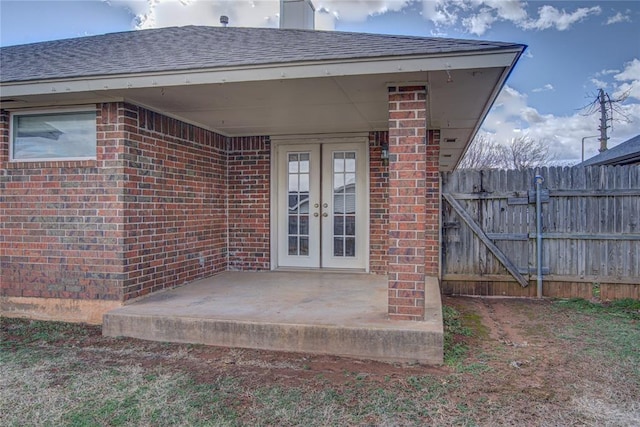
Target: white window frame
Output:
[(38, 112)]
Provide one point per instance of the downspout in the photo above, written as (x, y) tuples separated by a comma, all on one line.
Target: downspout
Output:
[(538, 181)]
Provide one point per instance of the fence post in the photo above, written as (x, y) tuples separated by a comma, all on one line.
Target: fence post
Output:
[(538, 181)]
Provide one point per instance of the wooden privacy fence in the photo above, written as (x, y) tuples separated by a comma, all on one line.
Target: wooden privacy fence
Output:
[(590, 232)]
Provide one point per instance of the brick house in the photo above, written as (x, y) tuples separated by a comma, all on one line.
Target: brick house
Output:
[(139, 161)]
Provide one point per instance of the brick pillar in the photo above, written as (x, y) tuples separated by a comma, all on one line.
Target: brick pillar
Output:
[(433, 198), (408, 202)]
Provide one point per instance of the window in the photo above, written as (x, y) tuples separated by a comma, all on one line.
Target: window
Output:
[(61, 135)]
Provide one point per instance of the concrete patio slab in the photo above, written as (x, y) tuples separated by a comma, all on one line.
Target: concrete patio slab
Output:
[(323, 313)]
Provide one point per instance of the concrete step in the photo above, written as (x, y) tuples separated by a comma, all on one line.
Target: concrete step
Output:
[(412, 345), (321, 313)]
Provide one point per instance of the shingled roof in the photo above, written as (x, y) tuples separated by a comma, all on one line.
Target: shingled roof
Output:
[(199, 47), (625, 153)]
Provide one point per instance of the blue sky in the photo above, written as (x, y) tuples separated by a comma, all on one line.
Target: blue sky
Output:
[(575, 47)]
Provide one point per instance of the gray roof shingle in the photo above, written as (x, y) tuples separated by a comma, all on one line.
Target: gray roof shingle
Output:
[(198, 47), (627, 152)]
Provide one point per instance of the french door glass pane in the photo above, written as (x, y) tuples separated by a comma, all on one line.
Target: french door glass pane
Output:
[(338, 246), (298, 218), (344, 203), (350, 225), (293, 225), (350, 246), (304, 224)]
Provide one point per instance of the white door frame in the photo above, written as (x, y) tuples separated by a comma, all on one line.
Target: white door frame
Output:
[(299, 141)]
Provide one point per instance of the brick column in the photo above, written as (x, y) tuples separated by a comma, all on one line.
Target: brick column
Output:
[(408, 202), (433, 198)]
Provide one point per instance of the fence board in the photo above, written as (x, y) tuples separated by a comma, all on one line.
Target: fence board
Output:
[(591, 230)]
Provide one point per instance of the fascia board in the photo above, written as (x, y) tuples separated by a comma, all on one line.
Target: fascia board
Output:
[(12, 105), (388, 65)]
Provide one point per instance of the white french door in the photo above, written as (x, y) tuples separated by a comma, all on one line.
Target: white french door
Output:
[(321, 213)]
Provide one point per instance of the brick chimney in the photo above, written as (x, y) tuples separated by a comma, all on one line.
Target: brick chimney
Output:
[(297, 14)]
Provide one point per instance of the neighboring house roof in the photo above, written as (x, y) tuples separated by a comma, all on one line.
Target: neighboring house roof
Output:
[(198, 47), (625, 153)]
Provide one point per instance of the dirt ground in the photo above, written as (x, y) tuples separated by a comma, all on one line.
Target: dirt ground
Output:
[(528, 362)]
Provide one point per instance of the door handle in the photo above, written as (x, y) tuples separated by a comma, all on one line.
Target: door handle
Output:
[(316, 214), (324, 214)]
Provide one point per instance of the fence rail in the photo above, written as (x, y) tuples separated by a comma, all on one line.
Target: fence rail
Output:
[(591, 232)]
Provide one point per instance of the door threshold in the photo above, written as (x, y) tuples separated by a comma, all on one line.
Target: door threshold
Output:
[(320, 270)]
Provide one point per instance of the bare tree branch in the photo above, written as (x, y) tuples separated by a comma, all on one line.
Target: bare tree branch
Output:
[(607, 107), (483, 153), (525, 152), (520, 153)]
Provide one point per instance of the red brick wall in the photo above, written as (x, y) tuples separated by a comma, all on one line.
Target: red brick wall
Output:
[(175, 202), (378, 204), (166, 203), (407, 202), (149, 213), (60, 235), (249, 201)]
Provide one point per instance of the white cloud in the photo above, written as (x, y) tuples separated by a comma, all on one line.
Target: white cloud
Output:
[(631, 90), (359, 10), (531, 115), (506, 112), (630, 80), (478, 16), (619, 17), (440, 12), (509, 10), (599, 83), (249, 13), (325, 19), (631, 71), (544, 88), (167, 13), (550, 17), (511, 117), (606, 72), (479, 23)]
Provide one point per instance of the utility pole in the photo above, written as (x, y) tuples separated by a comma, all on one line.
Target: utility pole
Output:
[(607, 107), (603, 121)]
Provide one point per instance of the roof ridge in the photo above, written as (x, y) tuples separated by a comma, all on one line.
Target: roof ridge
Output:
[(268, 29)]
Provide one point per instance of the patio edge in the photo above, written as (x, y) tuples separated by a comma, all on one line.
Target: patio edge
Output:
[(389, 345)]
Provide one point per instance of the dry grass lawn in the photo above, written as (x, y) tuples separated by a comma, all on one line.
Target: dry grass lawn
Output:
[(509, 362)]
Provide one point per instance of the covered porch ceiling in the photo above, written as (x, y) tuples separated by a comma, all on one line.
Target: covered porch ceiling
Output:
[(327, 105)]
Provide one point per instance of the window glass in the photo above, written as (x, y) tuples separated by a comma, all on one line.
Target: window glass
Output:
[(344, 204), (298, 178), (68, 135)]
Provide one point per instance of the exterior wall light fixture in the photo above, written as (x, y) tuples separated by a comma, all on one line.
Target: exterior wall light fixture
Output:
[(385, 154)]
